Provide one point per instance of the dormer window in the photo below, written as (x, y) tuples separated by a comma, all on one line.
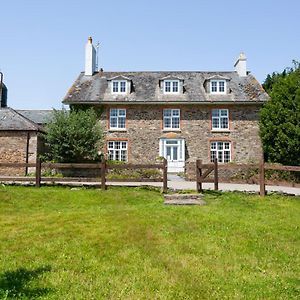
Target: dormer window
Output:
[(218, 87), (119, 87), (171, 86)]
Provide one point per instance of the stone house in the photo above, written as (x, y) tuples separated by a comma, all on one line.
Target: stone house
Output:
[(182, 116), (18, 140), (20, 135)]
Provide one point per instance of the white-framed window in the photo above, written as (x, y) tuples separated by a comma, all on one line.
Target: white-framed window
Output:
[(171, 119), (171, 86), (117, 150), (172, 149), (221, 150), (117, 118), (119, 87), (218, 87), (220, 119)]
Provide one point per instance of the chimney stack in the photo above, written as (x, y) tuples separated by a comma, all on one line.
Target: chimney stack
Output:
[(90, 58), (241, 65)]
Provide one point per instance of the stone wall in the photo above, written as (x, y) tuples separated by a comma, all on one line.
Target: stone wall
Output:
[(13, 145), (144, 128)]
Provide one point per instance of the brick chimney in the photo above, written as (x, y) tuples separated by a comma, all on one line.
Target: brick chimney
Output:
[(241, 65), (90, 58)]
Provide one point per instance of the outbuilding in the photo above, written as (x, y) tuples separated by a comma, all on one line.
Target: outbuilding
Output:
[(19, 140)]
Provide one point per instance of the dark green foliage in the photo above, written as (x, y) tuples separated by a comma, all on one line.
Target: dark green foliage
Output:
[(280, 118), (73, 136)]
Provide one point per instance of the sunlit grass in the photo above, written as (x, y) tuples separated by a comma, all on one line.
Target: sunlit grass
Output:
[(123, 243)]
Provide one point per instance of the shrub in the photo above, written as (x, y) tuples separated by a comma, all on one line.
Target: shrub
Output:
[(73, 136)]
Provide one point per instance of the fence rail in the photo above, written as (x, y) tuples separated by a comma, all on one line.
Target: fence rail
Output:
[(103, 167), (202, 176)]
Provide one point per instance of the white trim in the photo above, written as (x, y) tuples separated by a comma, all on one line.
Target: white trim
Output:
[(178, 164), (217, 81), (172, 130), (117, 117), (117, 153), (119, 82), (172, 81), (220, 130), (171, 118), (222, 151), (161, 148), (117, 129), (219, 119)]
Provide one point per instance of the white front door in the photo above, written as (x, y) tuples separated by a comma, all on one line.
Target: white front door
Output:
[(173, 150)]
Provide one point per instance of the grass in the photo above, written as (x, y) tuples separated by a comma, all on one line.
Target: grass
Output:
[(123, 243)]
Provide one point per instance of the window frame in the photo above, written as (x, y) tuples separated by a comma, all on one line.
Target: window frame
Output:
[(119, 86), (171, 81), (220, 151), (220, 118), (117, 152), (118, 116), (171, 118), (218, 81)]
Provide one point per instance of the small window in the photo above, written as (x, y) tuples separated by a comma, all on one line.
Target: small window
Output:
[(171, 119), (221, 150), (117, 118), (119, 86), (220, 119), (218, 86), (117, 150), (171, 86)]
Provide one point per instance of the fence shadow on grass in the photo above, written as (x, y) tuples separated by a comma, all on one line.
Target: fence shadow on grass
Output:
[(15, 284)]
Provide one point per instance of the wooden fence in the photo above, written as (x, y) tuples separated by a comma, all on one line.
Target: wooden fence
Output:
[(203, 170), (103, 167)]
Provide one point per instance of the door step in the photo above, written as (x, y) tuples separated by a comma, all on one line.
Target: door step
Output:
[(184, 199)]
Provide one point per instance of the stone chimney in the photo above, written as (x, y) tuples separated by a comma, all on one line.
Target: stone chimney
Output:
[(241, 65), (90, 58)]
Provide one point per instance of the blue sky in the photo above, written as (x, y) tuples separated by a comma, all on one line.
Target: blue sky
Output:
[(42, 42)]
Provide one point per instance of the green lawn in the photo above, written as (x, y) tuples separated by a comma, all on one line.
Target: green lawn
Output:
[(123, 243)]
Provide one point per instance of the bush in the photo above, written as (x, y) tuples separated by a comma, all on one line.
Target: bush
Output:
[(73, 136)]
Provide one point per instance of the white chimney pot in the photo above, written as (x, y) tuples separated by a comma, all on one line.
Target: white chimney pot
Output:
[(241, 65), (90, 58)]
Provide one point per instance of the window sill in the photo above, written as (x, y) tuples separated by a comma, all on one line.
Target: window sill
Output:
[(117, 129), (220, 130), (171, 130)]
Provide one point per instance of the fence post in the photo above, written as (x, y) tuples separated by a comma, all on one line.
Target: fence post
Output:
[(165, 175), (103, 174), (216, 175), (262, 184), (198, 175), (38, 170)]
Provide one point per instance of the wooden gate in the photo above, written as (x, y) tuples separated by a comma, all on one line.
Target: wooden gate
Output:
[(202, 172)]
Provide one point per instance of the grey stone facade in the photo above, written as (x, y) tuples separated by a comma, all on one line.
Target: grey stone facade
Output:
[(144, 129)]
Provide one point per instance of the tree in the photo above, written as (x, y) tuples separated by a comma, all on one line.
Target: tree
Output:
[(73, 136), (280, 117)]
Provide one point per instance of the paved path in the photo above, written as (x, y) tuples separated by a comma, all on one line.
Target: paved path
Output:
[(191, 185), (177, 183)]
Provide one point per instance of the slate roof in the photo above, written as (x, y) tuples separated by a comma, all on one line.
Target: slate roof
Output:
[(12, 120), (40, 117), (146, 89)]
